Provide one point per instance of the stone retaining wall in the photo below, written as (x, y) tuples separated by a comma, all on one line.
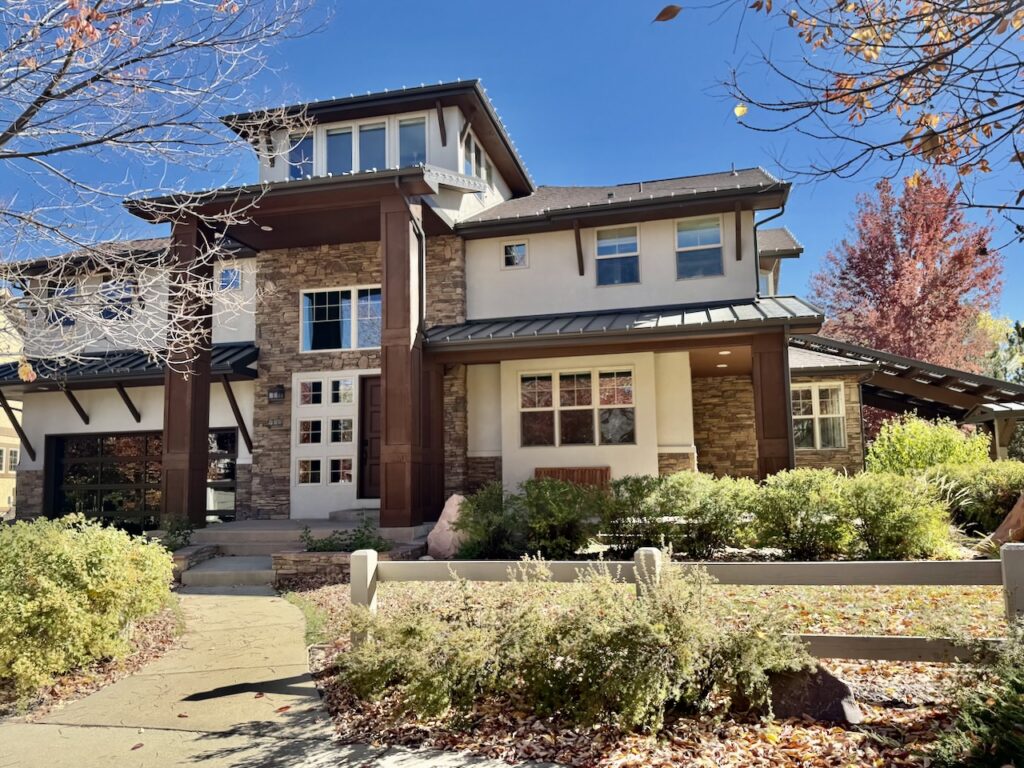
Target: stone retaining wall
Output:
[(191, 556), (29, 494), (333, 566)]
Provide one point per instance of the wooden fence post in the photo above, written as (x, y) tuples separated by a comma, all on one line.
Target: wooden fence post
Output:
[(363, 586), (1012, 556), (647, 568)]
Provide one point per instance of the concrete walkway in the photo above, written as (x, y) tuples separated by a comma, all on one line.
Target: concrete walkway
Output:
[(236, 692)]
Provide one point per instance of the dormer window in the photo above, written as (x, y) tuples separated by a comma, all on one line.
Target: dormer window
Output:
[(300, 157), (412, 142), (372, 147), (339, 151)]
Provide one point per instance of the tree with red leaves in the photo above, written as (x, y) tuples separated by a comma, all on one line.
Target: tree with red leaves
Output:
[(915, 278)]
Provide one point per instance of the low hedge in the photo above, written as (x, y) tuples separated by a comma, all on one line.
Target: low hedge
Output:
[(980, 494), (69, 592), (909, 444)]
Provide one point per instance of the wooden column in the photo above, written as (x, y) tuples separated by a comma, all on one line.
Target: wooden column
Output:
[(772, 407), (187, 401), (402, 499)]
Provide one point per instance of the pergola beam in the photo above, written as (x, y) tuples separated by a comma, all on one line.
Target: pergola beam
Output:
[(17, 427)]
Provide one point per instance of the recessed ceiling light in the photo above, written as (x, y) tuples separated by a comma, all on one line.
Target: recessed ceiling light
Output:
[(266, 228), (722, 365), (725, 352)]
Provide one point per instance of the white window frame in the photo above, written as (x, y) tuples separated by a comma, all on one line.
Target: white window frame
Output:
[(330, 430), (391, 142), (298, 430), (3, 461), (298, 471), (396, 151), (526, 245), (816, 415), (291, 142), (595, 407), (351, 390), (639, 265), (13, 459), (676, 250), (477, 172), (354, 290), (298, 394), (352, 469), (225, 268)]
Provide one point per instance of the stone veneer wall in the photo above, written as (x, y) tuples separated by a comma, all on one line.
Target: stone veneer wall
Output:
[(446, 281), (243, 491), (455, 429), (333, 566), (481, 470), (723, 425), (850, 458), (282, 275), (29, 494), (670, 463)]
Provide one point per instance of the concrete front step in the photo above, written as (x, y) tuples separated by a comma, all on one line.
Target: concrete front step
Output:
[(249, 538), (230, 572)]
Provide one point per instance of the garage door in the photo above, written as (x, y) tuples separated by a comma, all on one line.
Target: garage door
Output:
[(116, 477)]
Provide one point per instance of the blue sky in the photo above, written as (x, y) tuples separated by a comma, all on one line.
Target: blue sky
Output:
[(592, 93)]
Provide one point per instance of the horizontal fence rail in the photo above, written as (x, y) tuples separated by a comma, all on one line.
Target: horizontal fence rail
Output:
[(647, 565)]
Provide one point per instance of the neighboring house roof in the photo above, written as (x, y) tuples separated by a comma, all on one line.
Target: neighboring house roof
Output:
[(616, 324), (777, 243), (469, 95), (807, 361), (130, 366), (550, 203)]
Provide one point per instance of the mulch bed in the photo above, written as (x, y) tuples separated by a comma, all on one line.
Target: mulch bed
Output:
[(906, 705), (152, 637)]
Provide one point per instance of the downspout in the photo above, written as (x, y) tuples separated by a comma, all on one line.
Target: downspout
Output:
[(757, 252)]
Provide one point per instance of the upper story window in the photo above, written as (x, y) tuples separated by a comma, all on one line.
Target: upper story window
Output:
[(340, 157), (117, 297), (412, 142), (372, 147), (57, 315), (346, 318), (818, 420), (474, 160), (300, 157), (765, 283), (618, 256), (515, 255), (699, 248), (230, 279), (13, 457)]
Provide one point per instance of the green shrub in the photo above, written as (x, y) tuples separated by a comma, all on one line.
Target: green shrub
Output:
[(363, 536), (490, 527), (909, 444), (897, 518), (69, 592), (708, 514), (589, 651), (989, 725), (177, 533), (632, 518), (561, 518), (980, 494), (802, 512)]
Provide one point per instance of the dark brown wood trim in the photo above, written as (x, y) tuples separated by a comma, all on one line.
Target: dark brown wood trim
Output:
[(915, 388), (579, 246), (76, 405), (440, 123), (243, 430), (17, 426), (737, 216), (128, 402), (467, 125)]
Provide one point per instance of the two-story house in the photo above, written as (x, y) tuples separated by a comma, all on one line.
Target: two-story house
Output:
[(420, 318)]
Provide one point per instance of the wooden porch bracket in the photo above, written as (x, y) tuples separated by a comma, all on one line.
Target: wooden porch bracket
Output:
[(466, 125), (126, 399), (440, 123), (579, 246), (76, 405), (17, 426), (244, 430)]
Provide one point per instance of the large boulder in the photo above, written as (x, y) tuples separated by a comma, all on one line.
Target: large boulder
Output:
[(815, 693), (444, 541)]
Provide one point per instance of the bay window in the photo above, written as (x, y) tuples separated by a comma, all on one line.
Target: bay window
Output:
[(346, 318), (591, 407), (818, 420)]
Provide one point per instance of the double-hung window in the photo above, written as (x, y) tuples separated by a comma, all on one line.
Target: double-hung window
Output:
[(818, 421), (577, 408), (13, 457), (618, 256), (699, 248), (347, 318), (300, 157)]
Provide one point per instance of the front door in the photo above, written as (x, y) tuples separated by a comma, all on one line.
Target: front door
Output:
[(369, 437)]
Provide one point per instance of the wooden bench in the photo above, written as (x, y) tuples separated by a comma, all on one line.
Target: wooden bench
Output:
[(600, 477)]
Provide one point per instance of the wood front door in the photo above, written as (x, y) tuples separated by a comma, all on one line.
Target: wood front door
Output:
[(369, 437)]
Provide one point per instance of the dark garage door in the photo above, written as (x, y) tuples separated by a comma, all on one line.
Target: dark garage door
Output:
[(116, 477)]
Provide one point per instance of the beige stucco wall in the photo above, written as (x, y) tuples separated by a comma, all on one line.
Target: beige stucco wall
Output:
[(674, 399), (552, 283), (484, 405)]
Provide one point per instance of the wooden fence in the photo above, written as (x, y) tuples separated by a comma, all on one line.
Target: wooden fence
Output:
[(647, 565)]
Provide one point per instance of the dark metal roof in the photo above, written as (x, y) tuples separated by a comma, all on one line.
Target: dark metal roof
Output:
[(549, 202), (129, 366), (469, 95), (685, 318), (777, 243), (904, 384)]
